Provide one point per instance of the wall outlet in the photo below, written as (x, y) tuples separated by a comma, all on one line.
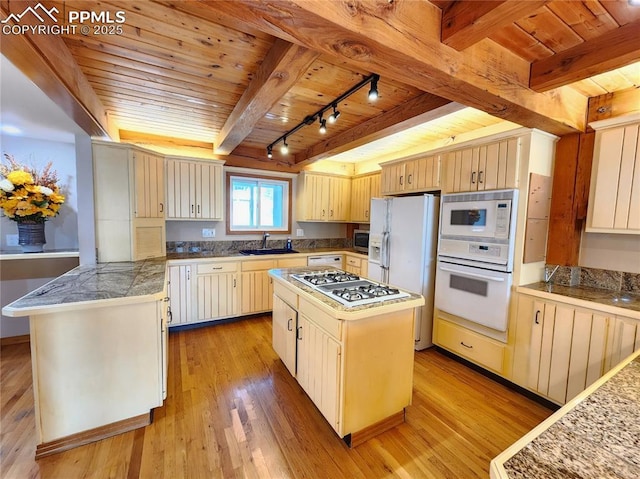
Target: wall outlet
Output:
[(208, 232), (299, 232), (12, 240)]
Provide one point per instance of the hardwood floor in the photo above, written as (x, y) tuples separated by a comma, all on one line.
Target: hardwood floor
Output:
[(233, 410)]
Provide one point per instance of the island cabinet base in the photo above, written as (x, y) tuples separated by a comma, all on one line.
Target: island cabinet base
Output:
[(360, 437), (97, 372), (97, 434)]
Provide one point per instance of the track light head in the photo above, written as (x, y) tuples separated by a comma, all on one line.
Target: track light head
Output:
[(373, 91), (284, 149), (323, 126), (269, 151), (334, 116)]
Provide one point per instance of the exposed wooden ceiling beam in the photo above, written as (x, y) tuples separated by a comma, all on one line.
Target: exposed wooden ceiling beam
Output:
[(256, 158), (401, 40), (615, 104), (414, 112), (465, 23), (282, 67), (46, 60), (613, 50)]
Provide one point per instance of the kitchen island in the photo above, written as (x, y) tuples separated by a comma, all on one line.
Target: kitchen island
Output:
[(98, 351), (595, 435), (354, 362)]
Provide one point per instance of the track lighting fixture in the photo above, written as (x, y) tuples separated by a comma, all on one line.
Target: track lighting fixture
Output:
[(373, 91), (310, 119), (323, 125), (334, 116)]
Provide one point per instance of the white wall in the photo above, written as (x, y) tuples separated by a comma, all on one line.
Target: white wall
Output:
[(617, 252), (61, 231)]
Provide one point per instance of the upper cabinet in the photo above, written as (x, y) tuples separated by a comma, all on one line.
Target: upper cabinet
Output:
[(194, 189), (149, 185), (129, 203), (491, 166), (614, 196), (411, 175), (323, 197), (363, 188)]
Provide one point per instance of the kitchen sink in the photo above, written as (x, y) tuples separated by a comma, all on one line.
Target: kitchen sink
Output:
[(267, 251)]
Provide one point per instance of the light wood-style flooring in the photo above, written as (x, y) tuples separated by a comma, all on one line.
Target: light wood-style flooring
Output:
[(233, 411)]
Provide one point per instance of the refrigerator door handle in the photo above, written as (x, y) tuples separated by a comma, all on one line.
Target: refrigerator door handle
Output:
[(384, 254)]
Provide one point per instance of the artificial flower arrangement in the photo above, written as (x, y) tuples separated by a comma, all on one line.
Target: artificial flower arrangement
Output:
[(27, 195)]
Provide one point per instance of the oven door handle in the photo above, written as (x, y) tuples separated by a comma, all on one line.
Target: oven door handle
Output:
[(473, 275)]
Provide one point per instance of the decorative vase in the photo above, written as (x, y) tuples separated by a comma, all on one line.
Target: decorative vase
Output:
[(31, 236)]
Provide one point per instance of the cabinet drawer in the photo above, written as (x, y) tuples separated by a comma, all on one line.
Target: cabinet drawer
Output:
[(209, 268), (471, 345), (292, 262), (287, 295), (331, 325), (258, 265), (355, 262)]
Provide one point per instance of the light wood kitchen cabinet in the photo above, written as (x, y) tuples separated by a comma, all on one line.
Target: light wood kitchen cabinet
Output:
[(560, 349), (319, 368), (194, 189), (284, 333), (482, 350), (123, 194), (149, 185), (363, 188), (257, 286), (411, 175), (180, 296), (323, 197), (356, 264), (614, 196), (623, 340), (491, 166), (217, 294)]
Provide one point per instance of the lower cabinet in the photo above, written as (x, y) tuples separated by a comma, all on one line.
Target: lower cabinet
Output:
[(343, 364), (479, 349), (180, 298), (217, 293), (561, 349), (257, 286), (356, 264)]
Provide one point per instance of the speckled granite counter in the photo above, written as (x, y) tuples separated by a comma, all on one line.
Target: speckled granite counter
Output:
[(87, 285), (615, 302), (337, 309), (594, 436), (236, 254)]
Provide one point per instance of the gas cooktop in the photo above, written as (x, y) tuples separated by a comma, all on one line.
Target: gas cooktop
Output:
[(349, 289)]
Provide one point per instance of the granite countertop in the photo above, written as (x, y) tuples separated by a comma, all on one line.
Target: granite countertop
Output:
[(236, 254), (94, 284), (611, 299), (595, 436), (344, 312)]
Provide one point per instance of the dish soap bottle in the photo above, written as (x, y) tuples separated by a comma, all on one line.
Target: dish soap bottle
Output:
[(289, 247)]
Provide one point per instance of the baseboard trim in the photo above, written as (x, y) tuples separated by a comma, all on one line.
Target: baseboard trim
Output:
[(8, 341), (92, 435), (357, 438)]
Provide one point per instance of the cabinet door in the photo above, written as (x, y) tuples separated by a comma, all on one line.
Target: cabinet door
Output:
[(208, 191), (318, 368), (180, 299), (561, 353), (425, 174), (541, 342), (360, 198), (339, 199), (376, 188), (284, 333), (624, 340), (257, 292), (149, 185), (217, 296)]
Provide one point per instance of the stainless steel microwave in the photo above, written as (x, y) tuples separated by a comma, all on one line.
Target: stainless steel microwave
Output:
[(361, 240)]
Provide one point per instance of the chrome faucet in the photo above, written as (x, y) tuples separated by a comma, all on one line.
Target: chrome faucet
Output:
[(264, 240), (548, 276)]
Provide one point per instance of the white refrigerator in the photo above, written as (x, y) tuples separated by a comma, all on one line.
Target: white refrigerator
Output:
[(402, 251)]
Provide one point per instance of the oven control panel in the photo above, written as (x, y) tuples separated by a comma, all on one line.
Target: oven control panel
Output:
[(493, 251)]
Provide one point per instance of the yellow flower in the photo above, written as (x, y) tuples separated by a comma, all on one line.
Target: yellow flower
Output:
[(20, 177)]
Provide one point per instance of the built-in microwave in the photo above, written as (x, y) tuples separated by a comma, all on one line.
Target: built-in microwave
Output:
[(361, 241), (479, 227)]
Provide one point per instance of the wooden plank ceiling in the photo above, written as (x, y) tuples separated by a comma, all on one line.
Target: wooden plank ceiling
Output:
[(232, 76)]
